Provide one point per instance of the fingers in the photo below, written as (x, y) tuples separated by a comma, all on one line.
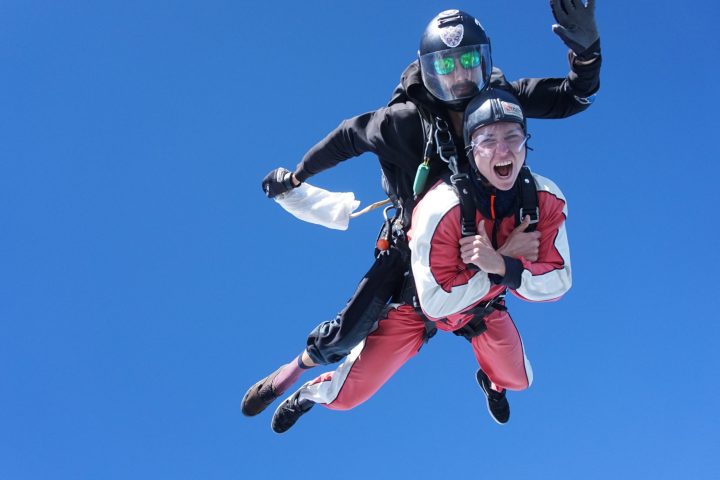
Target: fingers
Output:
[(465, 249), (568, 6), (469, 258), (523, 225), (482, 232), (470, 247), (534, 247), (561, 32), (469, 244), (553, 9), (467, 240), (469, 253), (557, 11)]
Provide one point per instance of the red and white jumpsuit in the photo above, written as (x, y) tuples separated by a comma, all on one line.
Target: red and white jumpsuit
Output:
[(446, 288)]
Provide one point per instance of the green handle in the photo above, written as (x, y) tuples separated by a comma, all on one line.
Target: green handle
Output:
[(420, 178)]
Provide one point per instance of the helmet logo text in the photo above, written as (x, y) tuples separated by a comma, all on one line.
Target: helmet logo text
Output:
[(511, 109)]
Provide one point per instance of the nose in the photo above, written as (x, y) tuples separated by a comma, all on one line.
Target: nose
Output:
[(502, 147), (460, 72)]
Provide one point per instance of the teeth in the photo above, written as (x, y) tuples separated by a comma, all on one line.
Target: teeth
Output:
[(502, 164)]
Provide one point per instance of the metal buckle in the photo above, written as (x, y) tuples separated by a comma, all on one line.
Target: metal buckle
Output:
[(533, 213), (441, 128)]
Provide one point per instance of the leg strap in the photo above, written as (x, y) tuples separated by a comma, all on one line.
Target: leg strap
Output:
[(477, 325)]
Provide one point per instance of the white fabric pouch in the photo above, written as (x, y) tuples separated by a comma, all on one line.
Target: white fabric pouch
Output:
[(319, 206)]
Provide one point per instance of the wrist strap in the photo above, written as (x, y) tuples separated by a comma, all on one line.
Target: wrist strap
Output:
[(287, 181)]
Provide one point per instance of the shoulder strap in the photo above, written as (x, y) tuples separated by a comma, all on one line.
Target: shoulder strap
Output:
[(447, 151), (528, 199), (463, 189)]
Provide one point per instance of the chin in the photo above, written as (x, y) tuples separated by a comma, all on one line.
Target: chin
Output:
[(504, 184), (504, 187)]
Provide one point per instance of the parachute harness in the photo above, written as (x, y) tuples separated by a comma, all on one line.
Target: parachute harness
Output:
[(460, 181)]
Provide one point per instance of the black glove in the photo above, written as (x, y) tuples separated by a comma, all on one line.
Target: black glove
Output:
[(277, 182), (576, 26)]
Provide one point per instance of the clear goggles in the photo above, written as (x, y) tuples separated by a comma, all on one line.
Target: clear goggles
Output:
[(486, 145)]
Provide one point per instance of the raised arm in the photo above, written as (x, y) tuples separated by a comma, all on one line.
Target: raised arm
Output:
[(563, 97)]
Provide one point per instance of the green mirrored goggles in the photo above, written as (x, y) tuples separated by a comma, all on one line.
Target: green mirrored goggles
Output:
[(446, 65)]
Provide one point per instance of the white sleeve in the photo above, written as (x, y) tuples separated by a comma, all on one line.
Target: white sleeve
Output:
[(444, 284)]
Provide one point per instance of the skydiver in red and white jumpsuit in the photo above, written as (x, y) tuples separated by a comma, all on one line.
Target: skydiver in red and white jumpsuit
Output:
[(534, 266)]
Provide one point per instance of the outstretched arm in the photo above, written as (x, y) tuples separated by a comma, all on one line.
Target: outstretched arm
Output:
[(351, 138)]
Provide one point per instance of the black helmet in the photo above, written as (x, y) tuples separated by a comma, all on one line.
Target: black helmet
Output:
[(455, 60), (491, 106)]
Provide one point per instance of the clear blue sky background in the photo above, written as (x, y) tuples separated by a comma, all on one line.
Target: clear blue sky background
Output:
[(146, 283)]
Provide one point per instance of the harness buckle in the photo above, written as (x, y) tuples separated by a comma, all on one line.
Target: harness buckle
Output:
[(533, 213), (443, 140), (477, 326)]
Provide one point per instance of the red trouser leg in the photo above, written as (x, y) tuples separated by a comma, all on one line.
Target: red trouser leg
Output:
[(500, 353), (371, 363)]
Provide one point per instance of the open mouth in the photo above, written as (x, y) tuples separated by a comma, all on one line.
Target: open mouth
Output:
[(503, 169)]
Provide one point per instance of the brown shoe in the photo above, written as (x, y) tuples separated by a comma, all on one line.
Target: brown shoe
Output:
[(260, 396)]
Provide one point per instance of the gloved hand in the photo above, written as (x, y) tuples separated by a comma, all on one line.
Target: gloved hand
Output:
[(277, 182), (576, 26)]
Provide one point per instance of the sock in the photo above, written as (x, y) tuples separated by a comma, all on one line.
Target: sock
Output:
[(287, 375), (496, 388)]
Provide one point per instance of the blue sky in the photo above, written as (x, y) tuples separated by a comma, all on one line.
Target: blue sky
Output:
[(146, 282)]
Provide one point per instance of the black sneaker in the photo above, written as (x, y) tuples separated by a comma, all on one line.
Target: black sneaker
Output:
[(260, 396), (289, 411), (497, 403)]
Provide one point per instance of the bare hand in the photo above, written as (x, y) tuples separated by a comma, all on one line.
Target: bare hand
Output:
[(479, 251), (521, 243)]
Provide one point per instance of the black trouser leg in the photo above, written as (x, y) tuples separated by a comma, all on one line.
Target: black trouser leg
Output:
[(331, 341)]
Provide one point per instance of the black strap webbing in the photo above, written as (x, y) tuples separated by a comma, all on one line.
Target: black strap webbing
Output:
[(528, 199), (463, 189), (460, 181), (476, 326)]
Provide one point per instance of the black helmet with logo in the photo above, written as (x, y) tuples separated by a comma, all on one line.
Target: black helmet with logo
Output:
[(455, 60), (493, 105)]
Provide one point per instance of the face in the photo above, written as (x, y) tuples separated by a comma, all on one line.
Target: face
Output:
[(456, 73), (499, 152), (464, 70)]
